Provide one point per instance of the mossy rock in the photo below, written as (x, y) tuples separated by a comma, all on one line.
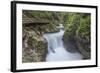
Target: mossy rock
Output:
[(37, 47), (77, 34)]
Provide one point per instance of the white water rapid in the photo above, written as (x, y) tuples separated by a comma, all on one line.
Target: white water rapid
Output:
[(56, 50)]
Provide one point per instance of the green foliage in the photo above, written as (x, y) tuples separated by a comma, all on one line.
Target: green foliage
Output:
[(77, 23), (72, 24), (84, 28)]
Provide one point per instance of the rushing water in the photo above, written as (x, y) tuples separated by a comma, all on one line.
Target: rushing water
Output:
[(56, 50)]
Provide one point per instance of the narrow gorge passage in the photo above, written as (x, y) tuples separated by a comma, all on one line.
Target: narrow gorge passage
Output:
[(56, 50)]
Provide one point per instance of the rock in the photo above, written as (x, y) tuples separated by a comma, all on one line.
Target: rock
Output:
[(36, 48), (70, 45), (78, 44), (86, 54), (84, 47)]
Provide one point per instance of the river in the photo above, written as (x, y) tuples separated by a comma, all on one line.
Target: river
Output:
[(56, 50)]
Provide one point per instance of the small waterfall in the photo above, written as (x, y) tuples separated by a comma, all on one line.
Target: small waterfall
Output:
[(56, 50)]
